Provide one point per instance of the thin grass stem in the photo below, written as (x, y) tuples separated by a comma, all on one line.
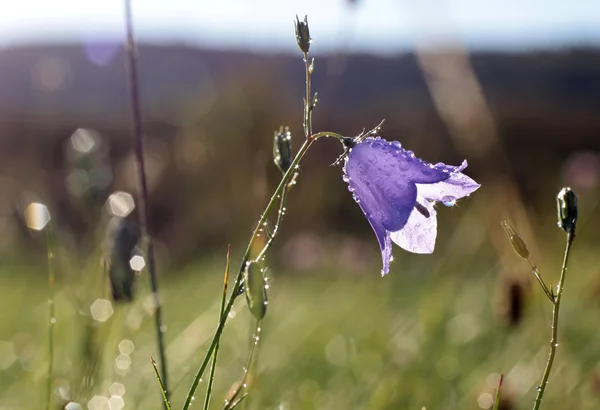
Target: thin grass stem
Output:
[(498, 394), (162, 386), (213, 366), (143, 203), (51, 316), (554, 339)]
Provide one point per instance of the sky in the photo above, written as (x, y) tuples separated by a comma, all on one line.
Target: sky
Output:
[(377, 26)]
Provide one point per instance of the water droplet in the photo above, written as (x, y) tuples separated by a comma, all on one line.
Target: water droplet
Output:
[(448, 200), (355, 197), (538, 388), (396, 144), (53, 320), (346, 178)]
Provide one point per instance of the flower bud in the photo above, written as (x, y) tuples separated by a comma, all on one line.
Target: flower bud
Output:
[(282, 149), (255, 288), (516, 241), (302, 35), (566, 205)]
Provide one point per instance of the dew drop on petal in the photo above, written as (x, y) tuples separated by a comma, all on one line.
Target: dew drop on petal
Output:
[(449, 201)]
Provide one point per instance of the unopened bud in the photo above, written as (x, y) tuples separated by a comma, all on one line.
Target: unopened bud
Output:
[(256, 291), (566, 205), (516, 241), (282, 149), (302, 34)]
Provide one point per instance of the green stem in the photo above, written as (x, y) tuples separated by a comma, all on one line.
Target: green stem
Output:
[(143, 203), (51, 317), (213, 366), (536, 273), (162, 386), (240, 276), (554, 339), (234, 400), (308, 100), (273, 234)]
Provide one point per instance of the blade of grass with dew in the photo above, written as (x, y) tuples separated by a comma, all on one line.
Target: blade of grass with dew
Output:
[(213, 366), (160, 382)]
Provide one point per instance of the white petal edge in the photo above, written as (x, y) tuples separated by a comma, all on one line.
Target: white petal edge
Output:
[(420, 232), (457, 186)]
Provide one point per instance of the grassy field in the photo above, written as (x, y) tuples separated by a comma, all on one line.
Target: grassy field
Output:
[(432, 334)]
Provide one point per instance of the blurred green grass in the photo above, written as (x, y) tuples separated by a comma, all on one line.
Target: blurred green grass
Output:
[(429, 335)]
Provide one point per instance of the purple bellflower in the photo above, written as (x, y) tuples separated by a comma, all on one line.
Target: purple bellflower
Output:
[(397, 193)]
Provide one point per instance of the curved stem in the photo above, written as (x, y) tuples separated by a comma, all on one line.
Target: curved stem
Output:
[(554, 338), (240, 276)]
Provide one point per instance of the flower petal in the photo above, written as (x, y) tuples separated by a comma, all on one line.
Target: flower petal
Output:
[(392, 161), (419, 233), (457, 186)]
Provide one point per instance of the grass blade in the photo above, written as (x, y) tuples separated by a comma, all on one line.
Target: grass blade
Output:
[(162, 386)]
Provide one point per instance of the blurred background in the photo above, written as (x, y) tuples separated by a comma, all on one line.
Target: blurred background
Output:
[(513, 87)]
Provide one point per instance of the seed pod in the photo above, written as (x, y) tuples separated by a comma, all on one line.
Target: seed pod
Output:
[(122, 236), (282, 149), (566, 205), (256, 292), (302, 34), (515, 239)]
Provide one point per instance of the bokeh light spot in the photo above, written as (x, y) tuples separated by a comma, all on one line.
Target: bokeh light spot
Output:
[(123, 362), (37, 216), (101, 310), (137, 263), (485, 400), (116, 403), (126, 347), (98, 403), (84, 140), (117, 389), (120, 204)]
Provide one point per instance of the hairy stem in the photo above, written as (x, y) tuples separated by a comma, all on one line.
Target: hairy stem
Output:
[(308, 102), (554, 339), (143, 203)]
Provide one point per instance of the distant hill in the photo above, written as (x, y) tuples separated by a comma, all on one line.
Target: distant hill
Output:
[(211, 113)]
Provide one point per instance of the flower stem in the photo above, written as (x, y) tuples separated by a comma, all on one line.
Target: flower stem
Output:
[(51, 317), (536, 273), (136, 117), (213, 365), (234, 399), (240, 276), (554, 339), (308, 101)]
